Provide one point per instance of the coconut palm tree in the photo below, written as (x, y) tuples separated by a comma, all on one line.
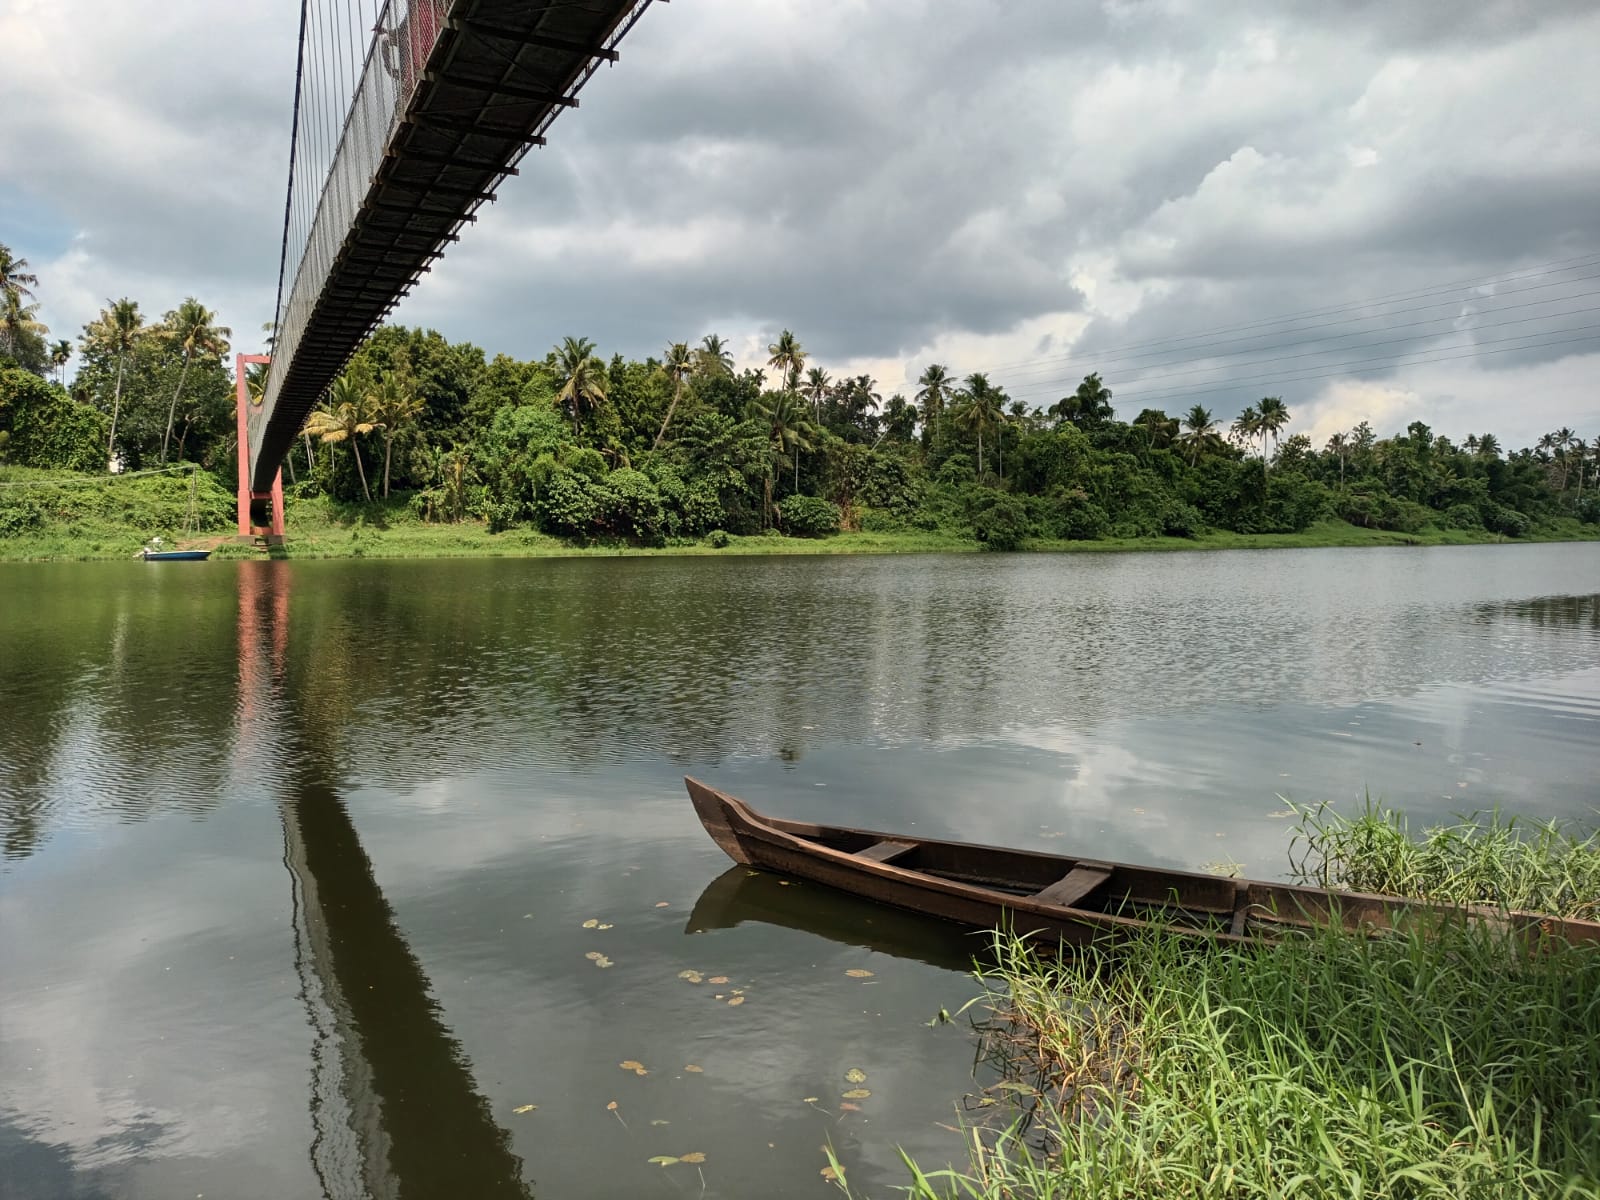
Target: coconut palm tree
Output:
[(817, 383), (1488, 446), (676, 366), (712, 358), (193, 329), (787, 359), (978, 408), (18, 322), (118, 332), (584, 376), (393, 405), (787, 430), (1339, 444), (1272, 415), (1563, 443), (60, 356), (1246, 426), (344, 418), (15, 278), (1199, 431), (933, 393)]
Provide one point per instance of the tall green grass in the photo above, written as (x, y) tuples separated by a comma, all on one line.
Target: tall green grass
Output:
[(1427, 1064), (1492, 859)]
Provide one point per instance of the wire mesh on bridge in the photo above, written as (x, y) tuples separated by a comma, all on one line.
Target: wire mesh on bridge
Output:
[(408, 114)]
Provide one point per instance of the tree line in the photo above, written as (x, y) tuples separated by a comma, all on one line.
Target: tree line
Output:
[(685, 446)]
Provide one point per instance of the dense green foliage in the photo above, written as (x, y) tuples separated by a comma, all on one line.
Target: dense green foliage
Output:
[(41, 426), (671, 450), (666, 450)]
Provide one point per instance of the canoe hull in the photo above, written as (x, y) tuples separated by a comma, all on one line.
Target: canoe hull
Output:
[(175, 555), (1057, 896)]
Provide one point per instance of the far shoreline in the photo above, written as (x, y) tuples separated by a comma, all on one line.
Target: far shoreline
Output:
[(413, 540)]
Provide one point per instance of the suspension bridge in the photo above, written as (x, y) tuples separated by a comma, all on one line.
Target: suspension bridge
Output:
[(408, 114)]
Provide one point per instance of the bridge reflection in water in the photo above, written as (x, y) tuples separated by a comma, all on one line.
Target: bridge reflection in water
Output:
[(395, 1111)]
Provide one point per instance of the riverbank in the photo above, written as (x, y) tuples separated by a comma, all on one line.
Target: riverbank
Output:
[(58, 517), (1431, 1064)]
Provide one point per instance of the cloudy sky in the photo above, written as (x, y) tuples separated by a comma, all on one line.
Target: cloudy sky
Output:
[(1148, 188)]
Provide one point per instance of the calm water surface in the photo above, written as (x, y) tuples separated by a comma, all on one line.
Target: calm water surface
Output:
[(300, 860)]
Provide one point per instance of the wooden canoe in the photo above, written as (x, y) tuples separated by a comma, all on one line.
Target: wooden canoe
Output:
[(1058, 896)]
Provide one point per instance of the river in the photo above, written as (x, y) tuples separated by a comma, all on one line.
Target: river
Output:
[(314, 876)]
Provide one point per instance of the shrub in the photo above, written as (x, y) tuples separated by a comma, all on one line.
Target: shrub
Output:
[(807, 516), (19, 512), (718, 539), (1497, 518), (1001, 522), (1461, 516)]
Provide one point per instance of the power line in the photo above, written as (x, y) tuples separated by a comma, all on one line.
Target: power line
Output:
[(1384, 364), (1201, 352), (1046, 386), (1556, 266)]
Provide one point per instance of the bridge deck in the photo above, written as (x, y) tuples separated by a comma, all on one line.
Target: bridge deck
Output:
[(498, 73)]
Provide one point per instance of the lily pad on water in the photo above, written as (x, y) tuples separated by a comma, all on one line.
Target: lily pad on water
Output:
[(692, 976), (636, 1067), (735, 1001), (855, 1075), (858, 973), (857, 1094), (524, 1108)]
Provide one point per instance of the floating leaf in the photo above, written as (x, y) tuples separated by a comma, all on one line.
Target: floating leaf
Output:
[(591, 923), (858, 973), (808, 1100), (664, 1160), (855, 1075), (602, 961), (846, 1106), (1011, 1085), (659, 1121), (692, 976), (718, 979), (857, 1094), (693, 1157), (661, 904), (783, 883), (735, 1001), (594, 956), (987, 1102), (524, 1108), (694, 1070), (612, 1107), (636, 1067), (603, 925)]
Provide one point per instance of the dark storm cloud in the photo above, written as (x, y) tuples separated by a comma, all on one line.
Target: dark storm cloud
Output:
[(992, 183)]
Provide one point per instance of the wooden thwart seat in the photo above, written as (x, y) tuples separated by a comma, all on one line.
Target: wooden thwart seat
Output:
[(887, 850), (1075, 885)]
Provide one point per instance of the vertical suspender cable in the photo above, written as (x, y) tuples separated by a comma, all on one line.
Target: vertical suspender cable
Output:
[(294, 138)]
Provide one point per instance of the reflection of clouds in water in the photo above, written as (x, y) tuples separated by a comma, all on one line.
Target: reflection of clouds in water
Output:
[(149, 1054)]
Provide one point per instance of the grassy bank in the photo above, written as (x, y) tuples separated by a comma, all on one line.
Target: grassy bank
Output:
[(1415, 1066), (59, 516)]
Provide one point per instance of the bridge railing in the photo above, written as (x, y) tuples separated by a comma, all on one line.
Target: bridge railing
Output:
[(404, 33)]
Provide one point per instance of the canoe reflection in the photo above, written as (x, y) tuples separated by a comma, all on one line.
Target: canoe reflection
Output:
[(740, 894)]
